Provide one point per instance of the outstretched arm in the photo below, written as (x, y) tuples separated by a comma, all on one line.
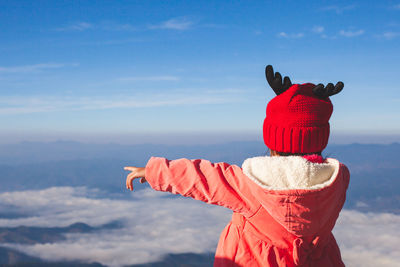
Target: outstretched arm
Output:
[(215, 183)]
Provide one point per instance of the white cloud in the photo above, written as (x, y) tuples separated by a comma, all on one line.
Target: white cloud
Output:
[(35, 67), (338, 9), (390, 35), (174, 24), (106, 26), (180, 23), (396, 6), (214, 26), (318, 29), (112, 42), (150, 78), (111, 26), (154, 225), (351, 33), (291, 35), (79, 26), (360, 204), (33, 104)]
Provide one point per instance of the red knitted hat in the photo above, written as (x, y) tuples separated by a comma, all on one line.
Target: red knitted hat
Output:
[(297, 121)]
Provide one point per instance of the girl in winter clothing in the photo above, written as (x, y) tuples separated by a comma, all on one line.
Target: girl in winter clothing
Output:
[(284, 205)]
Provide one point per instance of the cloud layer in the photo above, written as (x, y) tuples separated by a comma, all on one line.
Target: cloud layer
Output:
[(368, 239), (155, 224)]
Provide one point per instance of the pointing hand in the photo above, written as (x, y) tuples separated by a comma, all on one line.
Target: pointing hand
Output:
[(136, 172)]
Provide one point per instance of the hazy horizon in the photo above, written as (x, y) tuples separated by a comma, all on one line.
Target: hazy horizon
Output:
[(185, 138)]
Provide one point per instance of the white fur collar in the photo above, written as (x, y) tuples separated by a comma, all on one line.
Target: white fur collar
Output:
[(292, 172)]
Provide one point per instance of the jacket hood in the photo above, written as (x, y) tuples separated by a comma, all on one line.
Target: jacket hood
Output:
[(302, 196)]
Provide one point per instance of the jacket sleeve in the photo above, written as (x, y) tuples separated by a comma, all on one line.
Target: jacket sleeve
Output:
[(213, 183)]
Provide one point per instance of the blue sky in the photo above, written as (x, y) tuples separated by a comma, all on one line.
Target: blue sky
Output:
[(117, 70)]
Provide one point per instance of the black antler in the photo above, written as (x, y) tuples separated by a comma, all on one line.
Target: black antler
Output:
[(322, 92), (275, 80)]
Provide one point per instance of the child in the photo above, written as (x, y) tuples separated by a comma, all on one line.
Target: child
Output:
[(284, 205)]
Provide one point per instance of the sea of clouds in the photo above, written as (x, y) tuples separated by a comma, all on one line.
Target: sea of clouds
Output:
[(154, 224)]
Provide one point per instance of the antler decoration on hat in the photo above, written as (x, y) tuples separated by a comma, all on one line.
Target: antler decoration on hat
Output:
[(322, 92), (275, 80)]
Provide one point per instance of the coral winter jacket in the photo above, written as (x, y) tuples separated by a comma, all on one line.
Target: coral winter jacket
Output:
[(284, 208)]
